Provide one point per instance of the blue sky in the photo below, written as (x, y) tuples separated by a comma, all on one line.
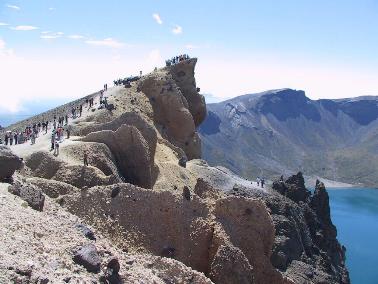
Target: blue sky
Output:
[(65, 49)]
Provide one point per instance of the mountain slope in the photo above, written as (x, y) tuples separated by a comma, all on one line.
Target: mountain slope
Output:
[(283, 131)]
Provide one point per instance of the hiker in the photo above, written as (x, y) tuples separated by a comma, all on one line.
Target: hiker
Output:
[(52, 140), (56, 149), (10, 139), (32, 139), (80, 109), (66, 119), (15, 138), (54, 124), (281, 179), (262, 182), (85, 158), (258, 181)]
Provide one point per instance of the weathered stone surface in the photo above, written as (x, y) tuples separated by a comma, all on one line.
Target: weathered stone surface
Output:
[(183, 74), (44, 165), (52, 188), (31, 194), (186, 193), (87, 232), (294, 188), (9, 162), (88, 257), (131, 152), (171, 111), (230, 266)]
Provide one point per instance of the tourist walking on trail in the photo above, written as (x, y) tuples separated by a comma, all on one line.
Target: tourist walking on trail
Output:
[(85, 158), (80, 109), (258, 181), (6, 138), (56, 148), (262, 182), (10, 139), (15, 138), (68, 133), (52, 140)]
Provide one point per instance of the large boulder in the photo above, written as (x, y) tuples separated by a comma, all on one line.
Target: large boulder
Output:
[(88, 257), (44, 165), (9, 163), (230, 266), (31, 194), (131, 151)]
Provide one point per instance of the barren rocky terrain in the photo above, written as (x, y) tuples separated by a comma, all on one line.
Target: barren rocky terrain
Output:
[(147, 209)]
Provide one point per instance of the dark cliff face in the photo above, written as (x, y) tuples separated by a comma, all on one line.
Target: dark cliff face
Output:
[(283, 131), (305, 245), (287, 104)]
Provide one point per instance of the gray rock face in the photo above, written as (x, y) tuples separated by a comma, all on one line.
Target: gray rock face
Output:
[(9, 163), (31, 194), (231, 266), (283, 131), (306, 247), (88, 257), (86, 231)]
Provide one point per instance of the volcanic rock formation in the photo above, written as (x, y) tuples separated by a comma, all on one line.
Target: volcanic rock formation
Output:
[(145, 209)]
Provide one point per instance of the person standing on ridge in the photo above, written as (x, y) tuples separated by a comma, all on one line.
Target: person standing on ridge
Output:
[(262, 182), (258, 181), (85, 158)]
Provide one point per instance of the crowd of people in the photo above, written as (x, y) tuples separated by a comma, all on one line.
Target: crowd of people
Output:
[(176, 59), (58, 126)]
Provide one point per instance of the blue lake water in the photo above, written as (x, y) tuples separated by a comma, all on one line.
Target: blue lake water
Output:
[(355, 213)]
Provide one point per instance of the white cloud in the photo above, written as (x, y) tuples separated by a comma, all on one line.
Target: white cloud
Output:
[(107, 42), (24, 28), (3, 24), (14, 7), (157, 18), (177, 30), (191, 46), (2, 44), (154, 56), (51, 8), (75, 36), (50, 35)]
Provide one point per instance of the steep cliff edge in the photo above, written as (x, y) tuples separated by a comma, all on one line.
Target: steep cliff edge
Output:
[(148, 196)]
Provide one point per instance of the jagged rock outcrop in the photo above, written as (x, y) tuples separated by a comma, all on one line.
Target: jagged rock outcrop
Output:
[(183, 74), (9, 163), (147, 211), (177, 114), (305, 238), (44, 165), (131, 151), (52, 188), (31, 194)]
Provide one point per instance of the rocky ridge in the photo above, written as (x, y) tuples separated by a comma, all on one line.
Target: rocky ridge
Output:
[(165, 215)]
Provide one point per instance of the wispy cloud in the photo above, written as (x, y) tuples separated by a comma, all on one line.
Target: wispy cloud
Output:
[(157, 18), (75, 36), (24, 28), (107, 42), (14, 7), (177, 30), (3, 24), (191, 46), (2, 44), (51, 9), (51, 35)]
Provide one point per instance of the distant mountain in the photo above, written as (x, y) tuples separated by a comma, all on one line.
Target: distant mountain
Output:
[(283, 131)]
